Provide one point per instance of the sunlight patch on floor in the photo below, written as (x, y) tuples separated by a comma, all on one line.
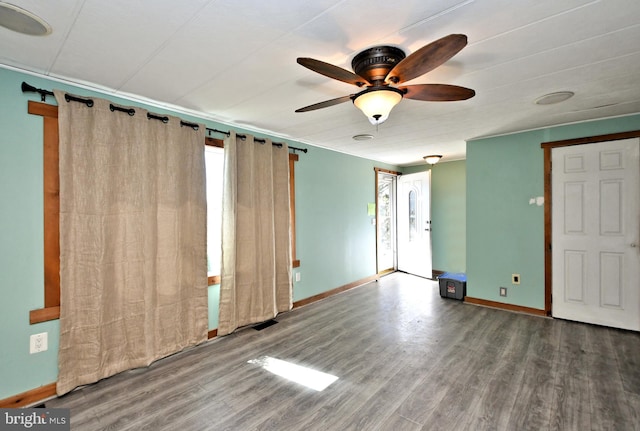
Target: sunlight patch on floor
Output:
[(316, 380)]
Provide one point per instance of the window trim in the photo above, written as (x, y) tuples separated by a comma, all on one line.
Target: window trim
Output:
[(51, 209), (293, 158)]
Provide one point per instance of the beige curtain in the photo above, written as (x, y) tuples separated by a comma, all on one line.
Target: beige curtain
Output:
[(256, 249), (133, 269)]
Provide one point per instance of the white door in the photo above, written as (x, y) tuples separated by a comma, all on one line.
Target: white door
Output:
[(414, 224), (595, 230)]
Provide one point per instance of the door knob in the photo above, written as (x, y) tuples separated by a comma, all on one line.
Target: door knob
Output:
[(634, 245)]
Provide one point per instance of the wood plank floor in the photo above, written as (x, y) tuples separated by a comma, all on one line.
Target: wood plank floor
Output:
[(406, 360)]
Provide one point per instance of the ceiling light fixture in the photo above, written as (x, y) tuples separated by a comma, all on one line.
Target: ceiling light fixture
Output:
[(433, 159), (362, 137), (552, 98), (377, 102)]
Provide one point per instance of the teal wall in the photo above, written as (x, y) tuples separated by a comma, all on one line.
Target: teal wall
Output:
[(505, 233), (335, 238), (21, 250), (448, 216), (336, 241)]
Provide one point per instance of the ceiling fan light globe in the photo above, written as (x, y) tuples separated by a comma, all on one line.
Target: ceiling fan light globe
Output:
[(377, 104)]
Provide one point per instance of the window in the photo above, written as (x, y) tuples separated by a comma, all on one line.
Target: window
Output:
[(51, 186), (214, 162), (413, 227)]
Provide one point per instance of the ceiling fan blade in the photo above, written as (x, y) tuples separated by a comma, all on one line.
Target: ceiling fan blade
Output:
[(332, 71), (324, 104), (427, 58), (437, 92)]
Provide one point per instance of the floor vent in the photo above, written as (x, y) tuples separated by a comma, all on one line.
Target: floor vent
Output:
[(266, 324)]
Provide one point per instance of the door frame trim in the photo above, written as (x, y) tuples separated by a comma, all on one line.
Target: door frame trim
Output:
[(382, 271), (547, 147)]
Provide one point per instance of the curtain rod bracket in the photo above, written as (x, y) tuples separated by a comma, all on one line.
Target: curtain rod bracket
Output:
[(31, 89)]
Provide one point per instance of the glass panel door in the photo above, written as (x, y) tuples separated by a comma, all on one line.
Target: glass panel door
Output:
[(386, 222)]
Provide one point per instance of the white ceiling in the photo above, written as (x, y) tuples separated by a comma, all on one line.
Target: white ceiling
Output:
[(234, 61)]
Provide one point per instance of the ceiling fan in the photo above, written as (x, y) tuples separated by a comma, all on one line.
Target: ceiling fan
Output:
[(381, 68)]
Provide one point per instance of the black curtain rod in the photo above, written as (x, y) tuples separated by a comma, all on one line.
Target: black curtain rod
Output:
[(30, 88), (151, 116), (89, 102), (279, 144), (69, 98)]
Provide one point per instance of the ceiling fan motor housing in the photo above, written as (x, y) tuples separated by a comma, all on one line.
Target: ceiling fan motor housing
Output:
[(374, 64)]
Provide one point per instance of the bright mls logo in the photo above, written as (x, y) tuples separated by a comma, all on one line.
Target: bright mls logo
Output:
[(35, 419)]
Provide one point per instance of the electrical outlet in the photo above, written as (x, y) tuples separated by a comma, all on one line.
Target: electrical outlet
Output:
[(297, 276), (38, 343), (503, 291), (515, 278)]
